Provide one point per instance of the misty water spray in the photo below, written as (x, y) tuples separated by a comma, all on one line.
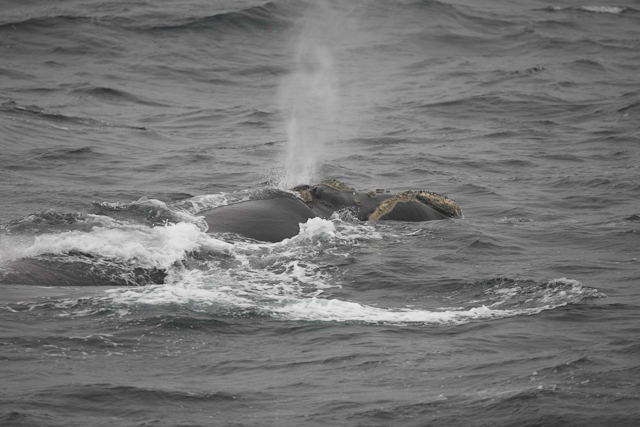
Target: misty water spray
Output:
[(309, 101)]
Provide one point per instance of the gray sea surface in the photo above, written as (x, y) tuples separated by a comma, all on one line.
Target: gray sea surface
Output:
[(122, 121)]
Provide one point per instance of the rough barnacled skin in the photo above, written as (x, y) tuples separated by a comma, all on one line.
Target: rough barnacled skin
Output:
[(305, 195), (440, 203), (278, 218), (337, 185), (332, 195)]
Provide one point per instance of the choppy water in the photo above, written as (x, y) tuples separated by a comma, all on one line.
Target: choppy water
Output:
[(122, 121)]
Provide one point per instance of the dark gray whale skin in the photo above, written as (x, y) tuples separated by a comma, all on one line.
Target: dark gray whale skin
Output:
[(51, 270), (271, 219), (276, 219)]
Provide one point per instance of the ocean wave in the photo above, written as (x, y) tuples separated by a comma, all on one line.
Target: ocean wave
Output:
[(291, 288), (18, 235), (267, 17), (115, 95), (156, 247), (57, 21), (36, 23), (455, 18), (519, 298), (632, 107), (612, 10), (472, 107), (285, 281), (153, 212), (11, 107), (488, 246), (111, 395)]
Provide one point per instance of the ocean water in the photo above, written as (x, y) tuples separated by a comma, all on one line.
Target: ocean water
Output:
[(122, 121)]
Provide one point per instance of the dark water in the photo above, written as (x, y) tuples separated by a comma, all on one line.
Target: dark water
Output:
[(122, 121)]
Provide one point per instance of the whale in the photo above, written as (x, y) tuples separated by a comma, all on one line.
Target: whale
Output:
[(279, 217), (272, 217), (81, 271)]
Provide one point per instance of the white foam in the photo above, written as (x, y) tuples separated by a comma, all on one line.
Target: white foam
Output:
[(198, 204), (614, 10), (550, 295), (176, 214), (346, 311), (282, 295), (554, 293), (605, 9), (158, 209), (12, 247), (335, 228), (158, 247), (262, 275), (313, 228), (283, 280), (180, 294)]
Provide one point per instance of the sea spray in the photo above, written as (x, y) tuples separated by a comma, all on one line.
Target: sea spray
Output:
[(309, 99)]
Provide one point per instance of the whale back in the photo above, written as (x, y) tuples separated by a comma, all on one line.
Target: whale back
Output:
[(414, 206), (270, 220)]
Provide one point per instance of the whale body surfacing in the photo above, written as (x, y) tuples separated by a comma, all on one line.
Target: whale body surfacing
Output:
[(278, 218), (273, 218)]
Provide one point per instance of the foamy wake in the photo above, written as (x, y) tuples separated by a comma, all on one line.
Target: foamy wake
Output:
[(148, 247), (286, 301), (284, 280)]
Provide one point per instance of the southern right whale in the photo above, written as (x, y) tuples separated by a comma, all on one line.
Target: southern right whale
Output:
[(273, 218), (278, 217)]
